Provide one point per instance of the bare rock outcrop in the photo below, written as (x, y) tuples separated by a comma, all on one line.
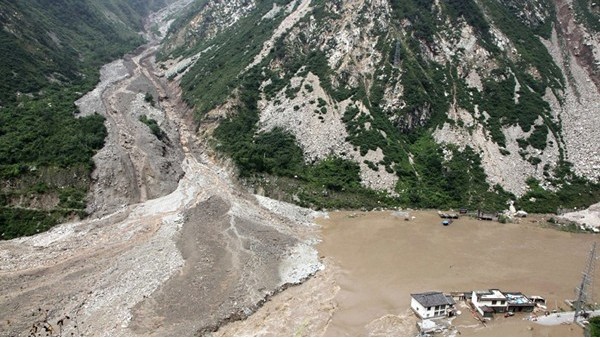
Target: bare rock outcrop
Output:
[(578, 112), (587, 218)]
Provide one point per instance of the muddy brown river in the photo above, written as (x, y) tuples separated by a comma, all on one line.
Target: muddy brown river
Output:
[(382, 259)]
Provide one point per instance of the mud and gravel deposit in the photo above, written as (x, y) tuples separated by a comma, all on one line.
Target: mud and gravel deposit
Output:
[(589, 217), (173, 246), (134, 164)]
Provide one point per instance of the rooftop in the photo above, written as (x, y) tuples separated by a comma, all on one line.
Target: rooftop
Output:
[(517, 298), (492, 294), (433, 298)]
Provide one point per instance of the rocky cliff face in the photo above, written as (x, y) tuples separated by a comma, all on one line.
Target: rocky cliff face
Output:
[(376, 81)]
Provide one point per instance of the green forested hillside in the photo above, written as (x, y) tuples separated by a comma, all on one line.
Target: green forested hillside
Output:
[(64, 41), (516, 72), (50, 53)]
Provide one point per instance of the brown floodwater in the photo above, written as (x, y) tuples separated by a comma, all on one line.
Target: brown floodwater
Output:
[(382, 259)]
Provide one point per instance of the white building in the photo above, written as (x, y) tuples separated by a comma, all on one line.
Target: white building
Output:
[(489, 301), (431, 304)]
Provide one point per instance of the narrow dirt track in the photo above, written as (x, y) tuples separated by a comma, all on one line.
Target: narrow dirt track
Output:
[(175, 258)]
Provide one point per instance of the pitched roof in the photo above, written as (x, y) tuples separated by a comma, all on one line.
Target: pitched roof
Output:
[(433, 298)]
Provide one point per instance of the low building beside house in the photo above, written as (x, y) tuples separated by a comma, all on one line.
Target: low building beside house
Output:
[(494, 301), (518, 302), (538, 300), (461, 295), (433, 304)]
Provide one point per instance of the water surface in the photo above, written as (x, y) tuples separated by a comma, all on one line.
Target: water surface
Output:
[(383, 259)]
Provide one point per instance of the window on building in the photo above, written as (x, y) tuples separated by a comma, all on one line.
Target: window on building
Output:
[(429, 308), (494, 302)]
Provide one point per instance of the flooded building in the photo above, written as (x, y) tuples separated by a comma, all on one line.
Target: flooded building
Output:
[(489, 301), (495, 301), (518, 302), (538, 300), (432, 304)]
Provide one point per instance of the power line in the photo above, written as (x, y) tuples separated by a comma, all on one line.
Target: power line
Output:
[(584, 291)]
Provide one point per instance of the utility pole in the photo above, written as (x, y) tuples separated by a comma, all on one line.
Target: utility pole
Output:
[(584, 291), (397, 54)]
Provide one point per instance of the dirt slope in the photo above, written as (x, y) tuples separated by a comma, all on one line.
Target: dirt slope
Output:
[(175, 248)]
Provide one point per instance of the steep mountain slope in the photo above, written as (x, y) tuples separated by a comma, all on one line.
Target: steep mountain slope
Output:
[(385, 102), (56, 41), (51, 54)]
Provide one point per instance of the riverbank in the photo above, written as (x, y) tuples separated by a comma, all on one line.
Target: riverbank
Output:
[(375, 260), (388, 258)]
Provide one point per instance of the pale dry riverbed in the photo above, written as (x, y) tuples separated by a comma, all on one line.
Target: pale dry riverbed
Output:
[(375, 260)]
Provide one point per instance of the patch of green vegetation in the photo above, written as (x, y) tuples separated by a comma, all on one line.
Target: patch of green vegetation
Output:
[(531, 50), (464, 94), (573, 191), (274, 152), (419, 14), (498, 100), (538, 137), (594, 327), (335, 183), (208, 83), (72, 198), (586, 15), (149, 99), (44, 132), (154, 127), (458, 182), (421, 91), (534, 160), (472, 14), (17, 222)]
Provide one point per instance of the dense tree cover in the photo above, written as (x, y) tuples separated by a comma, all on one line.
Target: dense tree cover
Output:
[(419, 13), (18, 222), (572, 191), (43, 132), (64, 40)]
